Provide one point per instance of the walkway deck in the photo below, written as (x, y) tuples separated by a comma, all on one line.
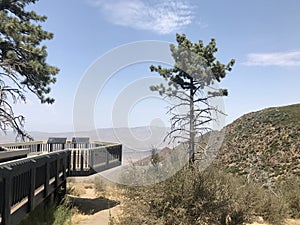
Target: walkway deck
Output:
[(26, 182)]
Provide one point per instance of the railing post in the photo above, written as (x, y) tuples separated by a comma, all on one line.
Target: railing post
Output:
[(74, 160), (38, 148), (31, 202), (81, 160), (57, 173), (47, 178), (56, 192), (107, 158), (69, 163), (6, 217), (92, 152), (120, 153), (65, 165)]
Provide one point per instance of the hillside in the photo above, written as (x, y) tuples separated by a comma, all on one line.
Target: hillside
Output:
[(264, 145)]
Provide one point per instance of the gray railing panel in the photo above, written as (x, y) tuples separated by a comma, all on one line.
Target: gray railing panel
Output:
[(25, 183)]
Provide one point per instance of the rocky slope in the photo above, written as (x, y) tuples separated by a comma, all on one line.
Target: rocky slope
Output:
[(264, 145)]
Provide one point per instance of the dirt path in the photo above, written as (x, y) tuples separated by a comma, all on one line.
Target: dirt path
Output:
[(92, 207), (101, 217)]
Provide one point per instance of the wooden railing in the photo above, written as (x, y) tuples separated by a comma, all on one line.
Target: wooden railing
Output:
[(25, 183), (12, 155), (86, 158), (87, 161), (43, 146)]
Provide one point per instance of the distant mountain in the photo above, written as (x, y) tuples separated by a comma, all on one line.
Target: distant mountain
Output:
[(264, 145), (136, 139)]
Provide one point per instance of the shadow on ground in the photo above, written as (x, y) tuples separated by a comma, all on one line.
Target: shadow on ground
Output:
[(90, 206)]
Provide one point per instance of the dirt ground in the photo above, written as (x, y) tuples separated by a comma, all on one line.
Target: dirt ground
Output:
[(95, 203), (91, 206)]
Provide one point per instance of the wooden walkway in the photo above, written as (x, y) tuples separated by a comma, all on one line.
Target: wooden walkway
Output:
[(26, 182)]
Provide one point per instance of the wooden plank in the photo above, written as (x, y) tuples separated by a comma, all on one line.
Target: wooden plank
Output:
[(6, 218), (57, 173), (13, 154), (18, 144), (56, 140), (18, 215), (47, 179), (80, 140), (31, 198)]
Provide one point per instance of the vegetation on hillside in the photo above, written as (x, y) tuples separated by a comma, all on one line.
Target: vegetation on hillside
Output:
[(220, 195), (208, 197), (264, 145)]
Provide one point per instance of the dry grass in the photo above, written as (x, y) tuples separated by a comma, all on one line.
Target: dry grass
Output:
[(288, 222), (293, 222), (74, 189), (204, 198), (93, 190), (78, 217), (113, 192), (80, 189)]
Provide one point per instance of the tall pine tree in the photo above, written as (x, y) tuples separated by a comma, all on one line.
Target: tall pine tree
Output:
[(195, 69), (23, 63)]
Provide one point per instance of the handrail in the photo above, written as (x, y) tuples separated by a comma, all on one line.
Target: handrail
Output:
[(9, 154), (92, 160), (24, 183)]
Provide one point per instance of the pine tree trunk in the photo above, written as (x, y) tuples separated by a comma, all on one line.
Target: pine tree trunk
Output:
[(192, 124)]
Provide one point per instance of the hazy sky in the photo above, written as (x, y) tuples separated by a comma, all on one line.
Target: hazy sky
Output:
[(263, 37)]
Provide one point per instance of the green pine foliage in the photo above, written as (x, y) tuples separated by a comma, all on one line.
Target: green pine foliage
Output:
[(23, 63), (195, 69)]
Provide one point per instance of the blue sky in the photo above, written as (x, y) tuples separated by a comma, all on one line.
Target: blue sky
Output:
[(262, 36)]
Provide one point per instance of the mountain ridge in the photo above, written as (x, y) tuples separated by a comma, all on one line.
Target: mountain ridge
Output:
[(263, 145)]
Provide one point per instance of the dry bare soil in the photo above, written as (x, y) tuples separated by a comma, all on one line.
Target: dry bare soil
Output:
[(93, 206)]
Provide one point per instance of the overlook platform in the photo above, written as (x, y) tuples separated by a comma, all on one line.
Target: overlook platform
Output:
[(31, 172)]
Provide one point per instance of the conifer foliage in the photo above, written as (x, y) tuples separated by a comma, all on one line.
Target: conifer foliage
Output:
[(23, 65), (195, 69)]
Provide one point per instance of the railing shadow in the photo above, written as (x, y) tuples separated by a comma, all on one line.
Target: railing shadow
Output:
[(89, 206)]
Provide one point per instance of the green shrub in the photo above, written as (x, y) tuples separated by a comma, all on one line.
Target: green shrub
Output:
[(63, 214), (290, 189), (210, 197), (50, 214)]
